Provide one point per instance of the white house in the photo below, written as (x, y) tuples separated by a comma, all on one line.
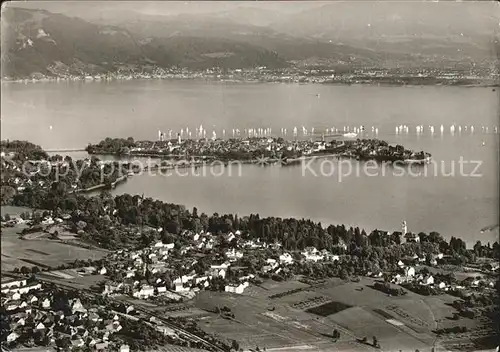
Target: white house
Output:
[(48, 221), (145, 292), (77, 306), (412, 237), (186, 278), (397, 279), (181, 288), (219, 270), (12, 305), (114, 326), (13, 336), (26, 289), (165, 330), (248, 277), (410, 271), (236, 288), (492, 266), (200, 279), (442, 285), (271, 261), (161, 289), (229, 237), (112, 287), (12, 284), (59, 314), (220, 266), (233, 254), (209, 244), (428, 280), (286, 258), (312, 254), (101, 346), (77, 343), (21, 321), (222, 273)]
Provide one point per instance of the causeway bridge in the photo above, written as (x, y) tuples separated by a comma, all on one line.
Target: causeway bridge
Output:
[(66, 150)]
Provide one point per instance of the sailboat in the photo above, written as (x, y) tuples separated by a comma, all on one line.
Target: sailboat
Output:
[(350, 135)]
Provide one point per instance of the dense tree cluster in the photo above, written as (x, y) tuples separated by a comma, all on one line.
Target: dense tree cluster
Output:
[(110, 222), (387, 288), (112, 146), (31, 178), (23, 150), (423, 290), (451, 330)]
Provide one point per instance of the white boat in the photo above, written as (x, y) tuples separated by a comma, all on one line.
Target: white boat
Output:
[(350, 135)]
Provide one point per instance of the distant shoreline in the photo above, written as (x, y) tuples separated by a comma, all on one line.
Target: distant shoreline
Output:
[(391, 82)]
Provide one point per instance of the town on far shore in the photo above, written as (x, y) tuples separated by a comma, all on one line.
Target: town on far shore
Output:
[(126, 273)]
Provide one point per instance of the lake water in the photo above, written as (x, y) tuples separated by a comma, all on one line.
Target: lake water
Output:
[(458, 205)]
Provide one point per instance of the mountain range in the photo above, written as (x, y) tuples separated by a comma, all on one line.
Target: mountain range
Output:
[(75, 41)]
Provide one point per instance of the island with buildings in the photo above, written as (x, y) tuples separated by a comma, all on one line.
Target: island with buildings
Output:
[(249, 149)]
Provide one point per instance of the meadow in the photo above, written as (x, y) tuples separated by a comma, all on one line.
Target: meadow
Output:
[(305, 320), (41, 252)]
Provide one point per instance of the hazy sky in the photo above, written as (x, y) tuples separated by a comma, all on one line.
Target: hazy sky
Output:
[(166, 7), (483, 15), (284, 7)]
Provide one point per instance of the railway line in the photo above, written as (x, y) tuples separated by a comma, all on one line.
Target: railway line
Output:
[(179, 330)]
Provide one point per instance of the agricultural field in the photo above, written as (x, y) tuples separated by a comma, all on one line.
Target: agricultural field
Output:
[(12, 210), (40, 251), (273, 287), (328, 308), (304, 320), (72, 278), (174, 348), (364, 323)]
